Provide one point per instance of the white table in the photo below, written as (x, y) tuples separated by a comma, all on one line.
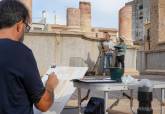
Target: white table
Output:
[(110, 87)]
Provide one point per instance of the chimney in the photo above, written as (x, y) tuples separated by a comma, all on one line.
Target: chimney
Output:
[(125, 24), (73, 19), (85, 16)]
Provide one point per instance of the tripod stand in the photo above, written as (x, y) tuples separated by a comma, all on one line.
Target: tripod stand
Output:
[(99, 59)]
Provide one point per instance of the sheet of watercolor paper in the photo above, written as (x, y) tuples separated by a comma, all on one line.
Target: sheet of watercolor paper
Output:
[(65, 88)]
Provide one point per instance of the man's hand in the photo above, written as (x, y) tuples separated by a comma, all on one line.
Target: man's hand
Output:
[(52, 81), (47, 99)]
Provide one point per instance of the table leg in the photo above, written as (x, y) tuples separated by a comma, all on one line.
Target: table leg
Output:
[(106, 102), (79, 100), (163, 100), (131, 100)]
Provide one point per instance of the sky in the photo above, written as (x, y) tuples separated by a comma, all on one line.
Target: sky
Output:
[(104, 12)]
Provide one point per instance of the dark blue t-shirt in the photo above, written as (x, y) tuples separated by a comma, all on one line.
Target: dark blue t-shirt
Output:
[(20, 83)]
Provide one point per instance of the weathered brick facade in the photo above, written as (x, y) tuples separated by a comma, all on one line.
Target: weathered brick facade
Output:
[(157, 24), (85, 16), (125, 23), (73, 17)]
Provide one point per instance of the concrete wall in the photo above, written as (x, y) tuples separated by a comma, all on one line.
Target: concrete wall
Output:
[(69, 49), (151, 62), (61, 49), (43, 47), (141, 16), (146, 10), (155, 60), (131, 61), (137, 22)]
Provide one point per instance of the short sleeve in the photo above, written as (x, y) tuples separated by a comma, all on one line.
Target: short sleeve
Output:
[(31, 80)]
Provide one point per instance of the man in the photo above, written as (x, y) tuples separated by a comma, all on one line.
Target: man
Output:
[(120, 53), (108, 48), (20, 82)]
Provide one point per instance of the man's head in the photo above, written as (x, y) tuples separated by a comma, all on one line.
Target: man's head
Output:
[(14, 19), (107, 36)]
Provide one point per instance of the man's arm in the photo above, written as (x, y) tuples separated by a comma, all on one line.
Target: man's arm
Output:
[(42, 97), (47, 98)]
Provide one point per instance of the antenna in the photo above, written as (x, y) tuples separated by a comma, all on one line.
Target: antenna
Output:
[(55, 17), (44, 16)]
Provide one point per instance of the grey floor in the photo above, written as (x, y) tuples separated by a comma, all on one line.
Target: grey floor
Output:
[(114, 95)]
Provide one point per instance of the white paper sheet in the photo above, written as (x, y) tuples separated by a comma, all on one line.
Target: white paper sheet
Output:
[(64, 89)]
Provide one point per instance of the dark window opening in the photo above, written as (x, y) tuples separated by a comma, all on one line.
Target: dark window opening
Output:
[(141, 17), (141, 7)]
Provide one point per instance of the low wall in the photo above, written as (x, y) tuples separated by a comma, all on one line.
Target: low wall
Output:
[(69, 49), (151, 62), (131, 61), (66, 49)]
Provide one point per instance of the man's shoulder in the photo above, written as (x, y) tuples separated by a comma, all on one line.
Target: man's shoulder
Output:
[(26, 48), (26, 51), (21, 48), (13, 45)]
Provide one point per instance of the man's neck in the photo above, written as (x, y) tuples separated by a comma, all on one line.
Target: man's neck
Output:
[(7, 33)]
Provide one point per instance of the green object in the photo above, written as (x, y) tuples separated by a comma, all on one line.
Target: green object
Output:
[(121, 49), (116, 73)]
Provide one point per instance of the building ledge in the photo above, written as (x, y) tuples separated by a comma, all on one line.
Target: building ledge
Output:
[(84, 35), (161, 42), (154, 72), (153, 51)]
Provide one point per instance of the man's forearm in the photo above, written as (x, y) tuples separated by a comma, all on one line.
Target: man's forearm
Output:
[(50, 92), (46, 100)]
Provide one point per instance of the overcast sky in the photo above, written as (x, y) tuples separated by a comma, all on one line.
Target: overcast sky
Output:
[(104, 12)]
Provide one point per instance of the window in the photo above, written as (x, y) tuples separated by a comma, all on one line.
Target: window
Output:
[(140, 7), (136, 34), (141, 17)]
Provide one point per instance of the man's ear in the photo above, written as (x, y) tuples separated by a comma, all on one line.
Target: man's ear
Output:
[(20, 26)]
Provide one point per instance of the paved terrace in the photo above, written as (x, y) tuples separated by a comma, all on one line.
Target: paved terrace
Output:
[(123, 106)]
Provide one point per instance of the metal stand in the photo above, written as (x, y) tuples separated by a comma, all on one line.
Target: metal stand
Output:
[(79, 100), (162, 100), (106, 102)]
